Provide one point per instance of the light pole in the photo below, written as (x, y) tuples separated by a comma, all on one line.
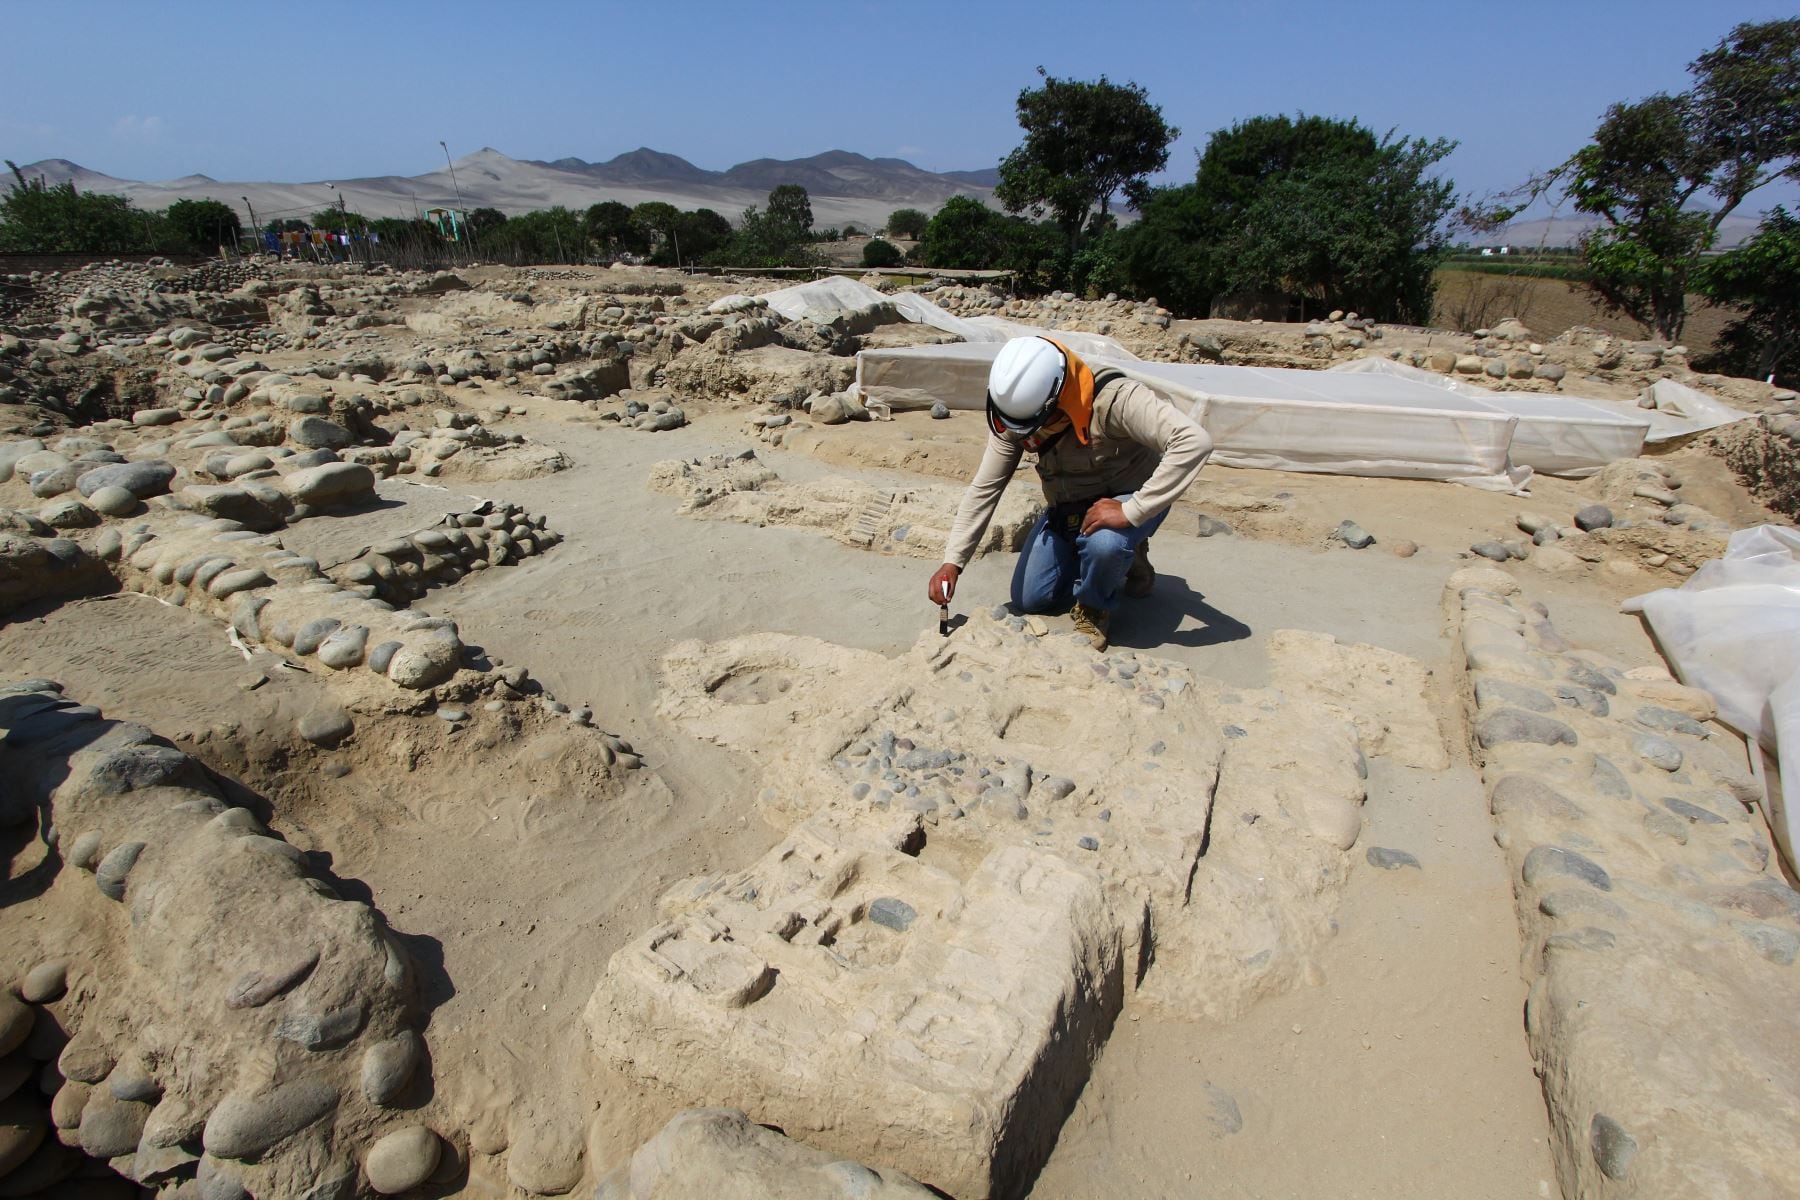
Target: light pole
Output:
[(459, 197)]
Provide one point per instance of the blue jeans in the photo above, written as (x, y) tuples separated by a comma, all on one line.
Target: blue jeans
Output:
[(1059, 564)]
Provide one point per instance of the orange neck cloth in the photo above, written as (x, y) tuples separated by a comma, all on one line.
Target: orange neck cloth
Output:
[(1077, 395)]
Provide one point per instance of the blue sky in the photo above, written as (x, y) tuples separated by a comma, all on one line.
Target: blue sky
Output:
[(328, 90)]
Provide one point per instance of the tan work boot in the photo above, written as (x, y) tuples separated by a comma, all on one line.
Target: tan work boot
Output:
[(1091, 624), (1140, 577)]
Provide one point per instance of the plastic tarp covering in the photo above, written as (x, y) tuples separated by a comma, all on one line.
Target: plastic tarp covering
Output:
[(1290, 420), (836, 298), (1342, 424), (1558, 435), (1733, 629), (1676, 410), (913, 377)]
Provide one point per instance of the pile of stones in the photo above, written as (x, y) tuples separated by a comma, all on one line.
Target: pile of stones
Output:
[(399, 571)]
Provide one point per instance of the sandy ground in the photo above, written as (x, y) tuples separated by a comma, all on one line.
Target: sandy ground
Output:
[(1401, 1070)]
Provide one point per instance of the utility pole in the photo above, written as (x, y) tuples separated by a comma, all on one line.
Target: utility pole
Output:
[(255, 233), (453, 183)]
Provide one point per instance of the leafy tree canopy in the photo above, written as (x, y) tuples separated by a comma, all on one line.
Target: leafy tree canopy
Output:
[(202, 225), (907, 223), (1084, 142), (37, 219), (880, 253), (790, 205), (610, 228), (1662, 173), (1762, 279)]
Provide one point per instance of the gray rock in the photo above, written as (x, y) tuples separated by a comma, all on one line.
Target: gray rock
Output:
[(388, 1066), (1391, 860), (316, 433), (1612, 1147), (309, 635), (54, 482), (330, 484), (110, 1126), (114, 501), (345, 647), (1594, 516), (218, 1183), (382, 655), (1225, 1116), (244, 1126), (255, 988), (1494, 551), (1491, 692), (110, 875), (1515, 791), (1774, 943), (326, 726), (1589, 700), (1590, 939), (1504, 725), (892, 912), (940, 411), (322, 1031), (1568, 903), (16, 1020), (68, 514), (1088, 842), (1207, 527), (1657, 751), (402, 1160), (1693, 812), (142, 479), (1576, 671), (1667, 720), (1354, 535), (1608, 780), (45, 982), (1545, 861)]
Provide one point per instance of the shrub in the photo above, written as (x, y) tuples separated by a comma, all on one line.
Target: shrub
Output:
[(880, 253)]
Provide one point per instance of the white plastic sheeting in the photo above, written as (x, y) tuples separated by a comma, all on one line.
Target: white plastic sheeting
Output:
[(1733, 629), (1341, 424), (1676, 410), (1292, 420), (1558, 435)]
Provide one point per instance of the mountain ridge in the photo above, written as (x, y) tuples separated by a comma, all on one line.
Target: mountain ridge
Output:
[(845, 187)]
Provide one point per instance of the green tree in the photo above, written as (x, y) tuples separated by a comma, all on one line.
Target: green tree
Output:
[(790, 204), (335, 220), (484, 220), (657, 223), (38, 219), (1311, 207), (701, 233), (964, 235), (880, 253), (907, 223), (1663, 173), (553, 235), (202, 225), (1761, 278), (1084, 143), (612, 231), (762, 240)]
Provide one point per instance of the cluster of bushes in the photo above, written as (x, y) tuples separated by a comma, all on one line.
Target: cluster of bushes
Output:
[(36, 218)]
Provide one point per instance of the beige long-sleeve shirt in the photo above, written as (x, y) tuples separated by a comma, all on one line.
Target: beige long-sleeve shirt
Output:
[(1126, 411)]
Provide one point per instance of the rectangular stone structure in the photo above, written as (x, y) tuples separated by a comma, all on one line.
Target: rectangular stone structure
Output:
[(873, 1005)]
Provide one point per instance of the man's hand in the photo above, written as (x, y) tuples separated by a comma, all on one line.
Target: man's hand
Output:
[(943, 584), (1105, 513)]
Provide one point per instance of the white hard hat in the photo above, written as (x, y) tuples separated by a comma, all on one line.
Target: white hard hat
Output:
[(1023, 384)]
